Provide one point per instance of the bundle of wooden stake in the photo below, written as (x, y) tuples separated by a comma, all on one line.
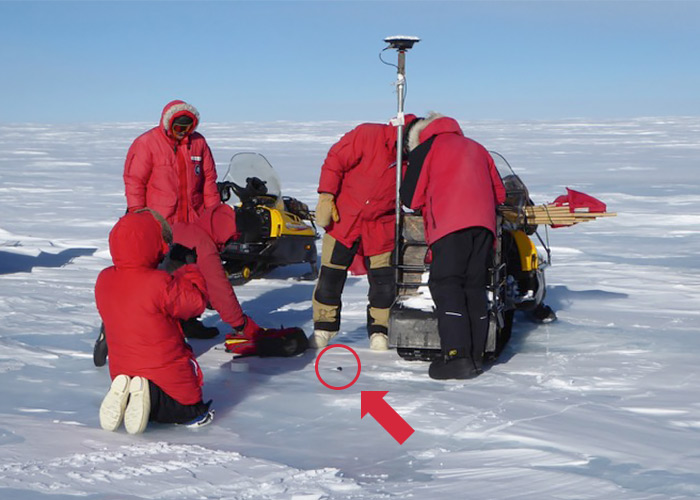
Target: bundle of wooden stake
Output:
[(551, 214)]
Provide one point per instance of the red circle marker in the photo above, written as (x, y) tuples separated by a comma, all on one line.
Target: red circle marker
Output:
[(334, 387)]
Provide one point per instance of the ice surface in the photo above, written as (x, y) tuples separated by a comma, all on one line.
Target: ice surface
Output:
[(602, 404)]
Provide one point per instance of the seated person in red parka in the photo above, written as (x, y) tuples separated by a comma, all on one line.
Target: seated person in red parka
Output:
[(454, 182), (155, 375), (207, 237)]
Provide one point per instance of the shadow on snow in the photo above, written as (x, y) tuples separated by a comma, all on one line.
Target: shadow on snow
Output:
[(18, 263)]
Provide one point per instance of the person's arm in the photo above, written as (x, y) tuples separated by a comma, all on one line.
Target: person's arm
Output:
[(221, 295), (211, 192), (137, 172), (185, 295), (342, 157)]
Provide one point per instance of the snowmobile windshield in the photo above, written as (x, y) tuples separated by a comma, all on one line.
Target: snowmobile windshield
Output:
[(245, 166), (516, 191)]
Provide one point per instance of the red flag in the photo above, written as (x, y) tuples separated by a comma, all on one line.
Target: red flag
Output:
[(580, 202)]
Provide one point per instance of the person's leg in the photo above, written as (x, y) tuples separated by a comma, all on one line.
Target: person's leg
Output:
[(193, 328), (382, 291), (335, 261), (166, 410), (448, 272), (446, 283), (475, 286)]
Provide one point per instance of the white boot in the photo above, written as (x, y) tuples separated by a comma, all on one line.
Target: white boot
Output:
[(320, 338), (112, 407), (139, 407), (379, 342)]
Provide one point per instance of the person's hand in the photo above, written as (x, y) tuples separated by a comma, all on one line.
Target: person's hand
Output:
[(326, 210), (181, 253), (249, 329), (240, 345)]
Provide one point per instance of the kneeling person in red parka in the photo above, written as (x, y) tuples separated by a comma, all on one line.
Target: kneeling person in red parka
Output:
[(206, 237), (155, 375), (202, 241)]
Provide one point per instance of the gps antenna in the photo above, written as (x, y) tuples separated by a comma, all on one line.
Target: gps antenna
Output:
[(401, 44)]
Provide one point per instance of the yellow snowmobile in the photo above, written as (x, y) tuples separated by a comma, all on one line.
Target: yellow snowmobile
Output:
[(275, 230)]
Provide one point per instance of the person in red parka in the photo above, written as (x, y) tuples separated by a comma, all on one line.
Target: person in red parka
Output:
[(170, 168), (155, 375), (454, 183), (357, 201), (206, 237)]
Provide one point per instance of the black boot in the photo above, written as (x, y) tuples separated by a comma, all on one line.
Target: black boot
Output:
[(453, 366), (99, 353), (195, 329), (543, 314)]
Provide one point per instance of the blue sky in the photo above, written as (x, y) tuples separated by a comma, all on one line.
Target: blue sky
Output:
[(318, 60)]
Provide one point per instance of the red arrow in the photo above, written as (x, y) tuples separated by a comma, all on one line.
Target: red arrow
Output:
[(373, 402)]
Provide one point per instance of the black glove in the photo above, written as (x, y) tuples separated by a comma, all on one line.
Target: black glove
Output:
[(181, 253)]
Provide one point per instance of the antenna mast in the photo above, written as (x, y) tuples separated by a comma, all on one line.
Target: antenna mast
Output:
[(401, 44)]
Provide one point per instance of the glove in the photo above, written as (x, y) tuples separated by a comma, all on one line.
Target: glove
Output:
[(249, 329), (181, 253), (326, 210), (242, 341), (239, 345)]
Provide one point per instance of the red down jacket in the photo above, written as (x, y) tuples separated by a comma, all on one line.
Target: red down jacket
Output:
[(141, 307), (359, 171), (176, 179), (207, 236), (459, 185)]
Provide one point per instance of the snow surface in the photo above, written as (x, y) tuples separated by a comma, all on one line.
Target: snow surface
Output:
[(603, 404)]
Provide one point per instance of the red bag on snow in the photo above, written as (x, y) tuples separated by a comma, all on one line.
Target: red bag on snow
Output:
[(268, 342)]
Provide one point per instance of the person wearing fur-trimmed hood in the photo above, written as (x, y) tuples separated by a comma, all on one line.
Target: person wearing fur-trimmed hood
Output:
[(170, 168), (454, 183)]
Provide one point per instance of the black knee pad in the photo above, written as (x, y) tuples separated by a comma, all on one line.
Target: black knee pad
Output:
[(382, 287), (330, 285)]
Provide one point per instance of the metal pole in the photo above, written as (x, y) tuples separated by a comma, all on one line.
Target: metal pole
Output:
[(400, 87), (401, 44)]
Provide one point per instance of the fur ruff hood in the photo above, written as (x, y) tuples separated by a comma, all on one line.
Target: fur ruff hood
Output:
[(175, 109), (437, 123)]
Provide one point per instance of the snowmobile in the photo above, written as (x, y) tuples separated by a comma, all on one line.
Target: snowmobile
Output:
[(275, 230), (516, 279)]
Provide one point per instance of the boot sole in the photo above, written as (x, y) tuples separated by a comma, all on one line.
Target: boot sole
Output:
[(114, 403), (139, 407)]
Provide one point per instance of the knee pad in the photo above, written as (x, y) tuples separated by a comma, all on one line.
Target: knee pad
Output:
[(382, 287), (330, 285)]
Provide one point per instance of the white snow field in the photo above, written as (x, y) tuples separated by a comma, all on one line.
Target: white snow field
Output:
[(602, 404)]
